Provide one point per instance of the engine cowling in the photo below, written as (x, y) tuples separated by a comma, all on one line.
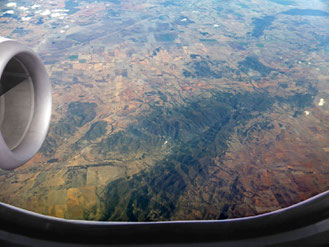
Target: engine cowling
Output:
[(25, 104)]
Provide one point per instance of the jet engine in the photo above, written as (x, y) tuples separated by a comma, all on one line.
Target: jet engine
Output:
[(25, 104)]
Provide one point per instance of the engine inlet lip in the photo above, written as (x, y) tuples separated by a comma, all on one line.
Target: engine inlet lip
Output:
[(37, 131)]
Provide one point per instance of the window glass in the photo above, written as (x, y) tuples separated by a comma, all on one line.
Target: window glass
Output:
[(175, 110)]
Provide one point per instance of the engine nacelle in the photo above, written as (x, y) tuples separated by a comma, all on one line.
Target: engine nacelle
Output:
[(25, 104)]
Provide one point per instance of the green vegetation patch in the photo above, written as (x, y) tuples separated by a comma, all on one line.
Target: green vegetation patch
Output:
[(252, 63), (96, 130), (305, 12), (170, 3), (261, 24), (49, 146), (283, 2), (204, 67), (72, 5), (114, 1), (73, 57), (298, 101), (78, 114), (165, 37), (76, 177), (132, 141), (208, 40)]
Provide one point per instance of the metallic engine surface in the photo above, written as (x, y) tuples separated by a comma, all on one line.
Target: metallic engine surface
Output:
[(25, 106)]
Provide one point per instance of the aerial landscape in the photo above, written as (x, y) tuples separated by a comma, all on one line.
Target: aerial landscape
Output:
[(175, 110)]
